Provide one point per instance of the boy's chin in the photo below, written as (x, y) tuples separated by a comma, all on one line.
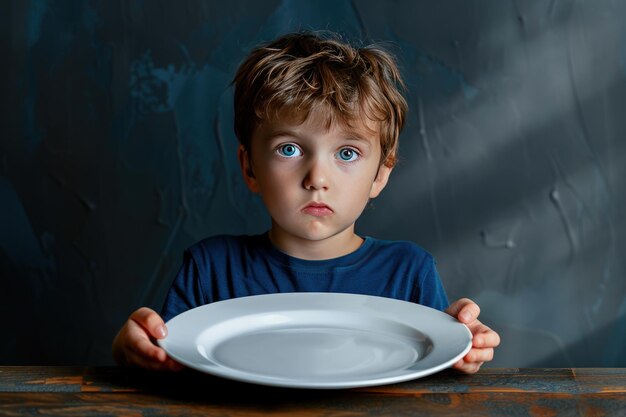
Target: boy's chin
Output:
[(315, 233)]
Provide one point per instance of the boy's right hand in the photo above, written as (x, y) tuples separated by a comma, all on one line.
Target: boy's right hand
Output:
[(134, 344)]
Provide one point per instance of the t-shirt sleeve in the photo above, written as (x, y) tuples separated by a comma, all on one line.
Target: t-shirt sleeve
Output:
[(186, 291), (431, 292)]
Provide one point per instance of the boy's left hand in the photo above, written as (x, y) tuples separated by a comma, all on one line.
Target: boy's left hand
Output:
[(484, 339)]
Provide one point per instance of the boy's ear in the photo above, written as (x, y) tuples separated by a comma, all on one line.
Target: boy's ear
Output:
[(380, 181), (246, 169)]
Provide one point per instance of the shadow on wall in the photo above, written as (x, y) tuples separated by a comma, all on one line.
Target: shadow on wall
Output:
[(535, 348)]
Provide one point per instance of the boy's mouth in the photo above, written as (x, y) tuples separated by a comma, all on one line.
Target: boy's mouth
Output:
[(317, 209)]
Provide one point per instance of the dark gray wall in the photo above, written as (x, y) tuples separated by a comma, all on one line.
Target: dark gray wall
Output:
[(117, 152)]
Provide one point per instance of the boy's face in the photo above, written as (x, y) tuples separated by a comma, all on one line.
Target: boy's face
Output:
[(314, 181)]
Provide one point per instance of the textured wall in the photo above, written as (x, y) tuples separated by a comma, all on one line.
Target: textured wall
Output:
[(117, 152)]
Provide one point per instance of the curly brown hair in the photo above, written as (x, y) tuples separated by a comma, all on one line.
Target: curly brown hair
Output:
[(304, 71)]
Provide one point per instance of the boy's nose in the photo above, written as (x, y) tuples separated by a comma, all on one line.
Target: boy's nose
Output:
[(316, 177)]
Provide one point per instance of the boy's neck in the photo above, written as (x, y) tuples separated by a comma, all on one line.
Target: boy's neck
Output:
[(335, 246)]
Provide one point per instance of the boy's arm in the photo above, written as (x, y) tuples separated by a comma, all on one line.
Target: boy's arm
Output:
[(134, 346), (484, 339)]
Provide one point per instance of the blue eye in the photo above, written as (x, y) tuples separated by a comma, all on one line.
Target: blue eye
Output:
[(348, 154), (289, 150)]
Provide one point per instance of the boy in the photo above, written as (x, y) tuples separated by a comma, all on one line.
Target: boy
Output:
[(318, 123)]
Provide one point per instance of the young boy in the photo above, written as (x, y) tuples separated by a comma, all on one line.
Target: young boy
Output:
[(318, 123)]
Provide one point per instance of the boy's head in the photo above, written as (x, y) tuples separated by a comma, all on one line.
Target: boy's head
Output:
[(304, 72)]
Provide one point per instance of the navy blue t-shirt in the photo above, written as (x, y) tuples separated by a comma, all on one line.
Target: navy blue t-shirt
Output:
[(224, 267)]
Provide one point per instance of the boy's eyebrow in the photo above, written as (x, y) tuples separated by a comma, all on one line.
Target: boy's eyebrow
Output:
[(358, 137), (347, 135), (277, 133), (352, 135)]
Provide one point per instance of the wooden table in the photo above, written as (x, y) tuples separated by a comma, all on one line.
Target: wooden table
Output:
[(111, 391)]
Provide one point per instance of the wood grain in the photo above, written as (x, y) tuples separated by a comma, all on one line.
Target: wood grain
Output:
[(110, 391)]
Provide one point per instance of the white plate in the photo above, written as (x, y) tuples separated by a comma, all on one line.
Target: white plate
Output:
[(316, 340)]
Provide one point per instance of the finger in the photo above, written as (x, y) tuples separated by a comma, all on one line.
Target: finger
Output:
[(486, 338), (150, 321), (138, 341), (141, 351), (454, 308), (145, 347), (464, 309), (147, 363), (469, 313), (479, 355), (152, 364), (467, 367), (145, 354), (172, 365)]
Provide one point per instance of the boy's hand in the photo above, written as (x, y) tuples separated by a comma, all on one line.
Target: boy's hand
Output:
[(483, 341), (134, 344)]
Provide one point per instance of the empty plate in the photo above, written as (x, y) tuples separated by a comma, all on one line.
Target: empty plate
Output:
[(316, 340)]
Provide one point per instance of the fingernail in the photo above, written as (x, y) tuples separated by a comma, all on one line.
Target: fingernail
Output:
[(465, 316), (162, 331)]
